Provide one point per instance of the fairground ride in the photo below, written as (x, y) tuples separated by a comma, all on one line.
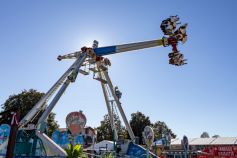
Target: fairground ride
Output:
[(91, 59)]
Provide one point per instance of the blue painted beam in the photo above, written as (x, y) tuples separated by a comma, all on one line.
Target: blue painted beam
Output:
[(105, 50)]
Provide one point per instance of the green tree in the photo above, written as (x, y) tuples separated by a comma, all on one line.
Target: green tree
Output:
[(23, 102), (104, 131), (160, 128), (52, 124), (138, 122), (216, 136), (205, 135)]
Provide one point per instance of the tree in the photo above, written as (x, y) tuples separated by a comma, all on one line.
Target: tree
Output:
[(138, 122), (216, 136), (23, 102), (104, 131), (52, 124), (205, 135), (160, 128)]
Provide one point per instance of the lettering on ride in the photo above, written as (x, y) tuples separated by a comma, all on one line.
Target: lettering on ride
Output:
[(225, 148), (222, 151), (225, 151)]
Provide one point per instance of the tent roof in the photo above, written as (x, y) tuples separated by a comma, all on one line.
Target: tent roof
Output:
[(208, 141), (100, 145)]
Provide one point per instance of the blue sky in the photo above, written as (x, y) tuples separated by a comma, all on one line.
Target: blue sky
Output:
[(197, 97)]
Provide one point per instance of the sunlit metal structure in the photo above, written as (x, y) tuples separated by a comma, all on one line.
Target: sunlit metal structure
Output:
[(91, 60)]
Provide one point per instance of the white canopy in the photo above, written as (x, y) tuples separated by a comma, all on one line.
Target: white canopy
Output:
[(103, 145)]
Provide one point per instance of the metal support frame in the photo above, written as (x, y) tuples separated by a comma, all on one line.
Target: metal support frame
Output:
[(31, 114), (106, 96), (109, 108), (69, 76), (118, 103), (70, 79)]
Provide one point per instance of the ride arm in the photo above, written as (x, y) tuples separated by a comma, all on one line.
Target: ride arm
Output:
[(70, 78), (102, 51), (172, 37)]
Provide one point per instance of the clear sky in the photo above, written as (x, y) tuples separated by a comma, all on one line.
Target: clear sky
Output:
[(197, 97)]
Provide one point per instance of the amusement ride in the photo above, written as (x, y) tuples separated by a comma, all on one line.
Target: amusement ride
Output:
[(92, 60)]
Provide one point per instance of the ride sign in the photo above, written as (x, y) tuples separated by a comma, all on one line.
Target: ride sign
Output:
[(148, 135), (76, 121)]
